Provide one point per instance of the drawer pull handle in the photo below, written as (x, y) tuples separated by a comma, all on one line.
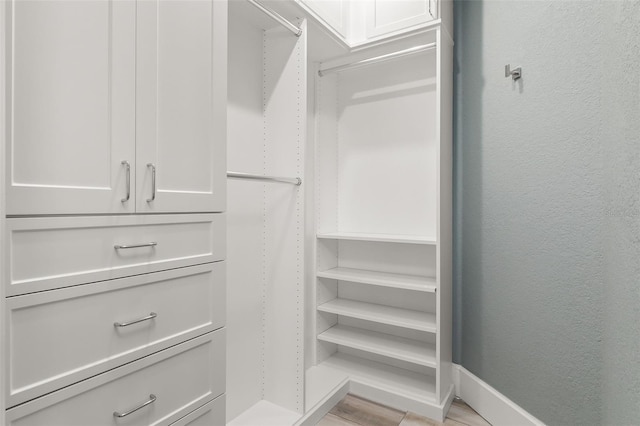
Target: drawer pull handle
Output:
[(151, 316), (152, 399), (128, 171), (153, 182), (121, 247)]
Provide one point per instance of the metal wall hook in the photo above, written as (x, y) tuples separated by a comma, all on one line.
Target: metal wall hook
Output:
[(515, 73)]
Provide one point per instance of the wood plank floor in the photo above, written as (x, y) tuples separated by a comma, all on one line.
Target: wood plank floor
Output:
[(354, 411)]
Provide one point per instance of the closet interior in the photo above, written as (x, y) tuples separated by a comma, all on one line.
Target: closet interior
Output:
[(327, 271)]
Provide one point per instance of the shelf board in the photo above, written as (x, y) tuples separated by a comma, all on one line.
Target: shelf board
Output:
[(398, 317), (407, 282), (381, 238), (420, 387), (400, 348)]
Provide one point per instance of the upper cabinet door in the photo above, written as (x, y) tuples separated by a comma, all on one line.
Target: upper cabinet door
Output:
[(71, 106), (181, 105), (389, 16)]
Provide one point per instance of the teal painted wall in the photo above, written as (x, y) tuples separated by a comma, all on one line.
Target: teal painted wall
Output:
[(547, 211)]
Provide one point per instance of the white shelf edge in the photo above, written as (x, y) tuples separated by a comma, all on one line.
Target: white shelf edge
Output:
[(389, 315), (410, 384), (380, 238), (395, 347), (384, 279)]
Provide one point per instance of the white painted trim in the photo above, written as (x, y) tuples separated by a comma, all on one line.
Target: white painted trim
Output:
[(496, 408), (318, 411)]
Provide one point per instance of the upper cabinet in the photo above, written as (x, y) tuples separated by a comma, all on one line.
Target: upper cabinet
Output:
[(360, 22), (114, 110), (384, 17)]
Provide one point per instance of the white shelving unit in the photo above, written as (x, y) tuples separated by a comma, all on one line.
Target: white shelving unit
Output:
[(382, 287)]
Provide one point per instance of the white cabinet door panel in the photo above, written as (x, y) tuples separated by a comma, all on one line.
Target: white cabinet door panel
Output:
[(72, 111), (181, 115), (388, 16)]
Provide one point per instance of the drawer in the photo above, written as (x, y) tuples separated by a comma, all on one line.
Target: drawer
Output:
[(59, 337), (53, 252), (211, 414), (181, 378)]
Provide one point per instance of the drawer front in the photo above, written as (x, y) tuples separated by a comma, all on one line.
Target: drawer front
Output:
[(59, 337), (181, 378), (210, 414), (55, 252)]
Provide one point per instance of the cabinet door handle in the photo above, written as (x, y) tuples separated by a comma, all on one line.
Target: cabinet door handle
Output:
[(152, 399), (151, 316), (153, 182), (122, 247), (127, 166)]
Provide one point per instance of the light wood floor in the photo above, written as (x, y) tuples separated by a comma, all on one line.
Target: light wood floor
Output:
[(354, 411)]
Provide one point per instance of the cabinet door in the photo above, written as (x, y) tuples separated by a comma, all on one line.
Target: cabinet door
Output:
[(71, 97), (181, 105), (390, 16)]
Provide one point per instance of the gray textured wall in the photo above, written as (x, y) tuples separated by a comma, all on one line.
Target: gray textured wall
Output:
[(547, 230)]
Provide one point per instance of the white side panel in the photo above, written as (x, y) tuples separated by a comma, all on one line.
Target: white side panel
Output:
[(285, 103), (3, 211), (387, 144), (445, 216), (333, 13), (181, 112), (71, 106), (245, 232)]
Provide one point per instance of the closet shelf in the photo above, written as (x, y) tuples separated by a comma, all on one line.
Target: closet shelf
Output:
[(396, 347), (411, 384), (384, 279), (381, 238), (405, 318)]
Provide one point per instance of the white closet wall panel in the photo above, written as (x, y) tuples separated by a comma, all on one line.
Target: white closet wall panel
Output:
[(245, 209), (386, 140), (71, 68), (285, 102)]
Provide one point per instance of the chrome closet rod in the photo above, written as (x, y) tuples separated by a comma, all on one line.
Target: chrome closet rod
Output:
[(376, 59), (295, 181), (275, 16)]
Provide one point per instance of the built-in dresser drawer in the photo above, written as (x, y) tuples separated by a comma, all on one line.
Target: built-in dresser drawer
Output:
[(210, 414), (53, 252), (59, 337), (172, 383)]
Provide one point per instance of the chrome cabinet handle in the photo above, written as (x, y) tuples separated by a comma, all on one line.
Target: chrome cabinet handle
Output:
[(152, 399), (127, 166), (153, 182), (151, 316), (121, 247)]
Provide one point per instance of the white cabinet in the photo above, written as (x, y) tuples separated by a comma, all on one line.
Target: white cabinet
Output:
[(71, 85), (388, 16), (117, 107)]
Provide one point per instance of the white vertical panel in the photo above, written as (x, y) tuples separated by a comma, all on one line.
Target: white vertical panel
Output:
[(245, 210), (71, 105), (387, 148), (445, 216), (4, 276), (285, 103)]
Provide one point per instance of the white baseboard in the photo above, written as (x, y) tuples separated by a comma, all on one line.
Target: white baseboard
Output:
[(496, 408)]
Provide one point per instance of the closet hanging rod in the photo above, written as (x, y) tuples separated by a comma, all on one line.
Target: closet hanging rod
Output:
[(295, 181), (277, 17), (376, 59)]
